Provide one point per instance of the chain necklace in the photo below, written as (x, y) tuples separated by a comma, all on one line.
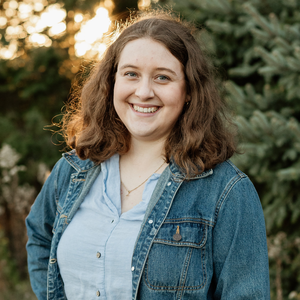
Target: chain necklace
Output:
[(129, 191)]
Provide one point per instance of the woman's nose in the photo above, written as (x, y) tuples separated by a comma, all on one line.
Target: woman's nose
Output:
[(144, 89)]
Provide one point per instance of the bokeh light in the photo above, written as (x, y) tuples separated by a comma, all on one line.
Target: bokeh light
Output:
[(38, 6), (13, 4), (38, 39), (57, 29), (8, 52), (91, 32), (53, 15), (142, 4), (78, 18), (38, 24), (3, 22)]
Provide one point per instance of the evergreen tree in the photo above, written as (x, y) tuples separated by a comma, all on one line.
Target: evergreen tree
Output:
[(256, 46)]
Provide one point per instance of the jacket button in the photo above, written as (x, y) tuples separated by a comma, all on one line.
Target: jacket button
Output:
[(132, 269), (177, 237), (98, 294), (98, 254), (169, 183), (150, 221)]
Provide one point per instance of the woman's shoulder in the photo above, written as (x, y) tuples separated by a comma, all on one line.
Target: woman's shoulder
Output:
[(228, 170), (238, 190), (231, 177), (223, 176), (226, 185)]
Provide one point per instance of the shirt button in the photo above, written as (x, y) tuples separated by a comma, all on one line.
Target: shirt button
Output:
[(132, 269), (98, 294), (169, 183), (112, 221), (150, 221), (98, 254)]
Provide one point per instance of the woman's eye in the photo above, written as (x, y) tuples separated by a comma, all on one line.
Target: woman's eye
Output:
[(163, 78), (130, 74)]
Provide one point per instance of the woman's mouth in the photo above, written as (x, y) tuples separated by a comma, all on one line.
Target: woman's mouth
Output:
[(145, 110)]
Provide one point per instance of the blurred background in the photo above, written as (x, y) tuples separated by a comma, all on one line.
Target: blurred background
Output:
[(46, 46)]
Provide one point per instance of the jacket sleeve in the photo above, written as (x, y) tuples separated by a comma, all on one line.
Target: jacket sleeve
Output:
[(39, 225), (240, 255)]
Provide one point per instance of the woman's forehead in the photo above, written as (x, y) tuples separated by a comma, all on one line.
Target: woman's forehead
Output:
[(147, 51)]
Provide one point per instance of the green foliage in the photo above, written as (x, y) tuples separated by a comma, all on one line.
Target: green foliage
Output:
[(256, 45), (10, 285), (9, 275), (31, 96)]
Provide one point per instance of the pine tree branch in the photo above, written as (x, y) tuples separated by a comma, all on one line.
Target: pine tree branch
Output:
[(258, 18)]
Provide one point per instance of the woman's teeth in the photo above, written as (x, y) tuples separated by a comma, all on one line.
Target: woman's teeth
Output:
[(145, 109)]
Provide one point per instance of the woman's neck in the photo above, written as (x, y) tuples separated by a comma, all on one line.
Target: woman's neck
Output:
[(145, 154)]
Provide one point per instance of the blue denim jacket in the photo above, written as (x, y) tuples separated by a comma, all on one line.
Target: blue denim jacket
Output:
[(219, 252)]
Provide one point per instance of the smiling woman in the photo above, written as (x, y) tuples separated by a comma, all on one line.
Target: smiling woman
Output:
[(147, 205)]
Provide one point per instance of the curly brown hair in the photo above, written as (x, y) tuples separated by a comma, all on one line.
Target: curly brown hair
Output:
[(200, 139)]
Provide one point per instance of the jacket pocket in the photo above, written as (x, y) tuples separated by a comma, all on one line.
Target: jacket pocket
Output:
[(176, 260)]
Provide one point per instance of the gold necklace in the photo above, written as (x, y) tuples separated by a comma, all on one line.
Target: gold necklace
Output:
[(129, 191)]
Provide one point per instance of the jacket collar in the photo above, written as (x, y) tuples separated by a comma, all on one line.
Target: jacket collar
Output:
[(77, 163), (178, 174)]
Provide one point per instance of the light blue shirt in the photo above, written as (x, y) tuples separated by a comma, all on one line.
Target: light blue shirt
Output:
[(95, 251)]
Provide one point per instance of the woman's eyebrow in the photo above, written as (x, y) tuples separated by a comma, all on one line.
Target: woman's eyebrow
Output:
[(128, 66), (158, 69), (166, 69)]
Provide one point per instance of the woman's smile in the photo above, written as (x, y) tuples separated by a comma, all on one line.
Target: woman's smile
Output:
[(145, 109)]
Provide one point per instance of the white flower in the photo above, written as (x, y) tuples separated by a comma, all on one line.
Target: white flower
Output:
[(8, 157), (293, 295), (42, 172)]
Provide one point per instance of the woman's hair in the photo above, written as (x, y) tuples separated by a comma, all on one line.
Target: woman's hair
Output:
[(200, 139)]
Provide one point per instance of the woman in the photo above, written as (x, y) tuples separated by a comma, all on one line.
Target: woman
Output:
[(147, 205)]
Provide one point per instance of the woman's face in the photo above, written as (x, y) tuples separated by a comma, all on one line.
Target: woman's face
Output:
[(150, 89)]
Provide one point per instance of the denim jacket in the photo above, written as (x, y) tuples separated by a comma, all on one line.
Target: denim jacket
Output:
[(200, 239)]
